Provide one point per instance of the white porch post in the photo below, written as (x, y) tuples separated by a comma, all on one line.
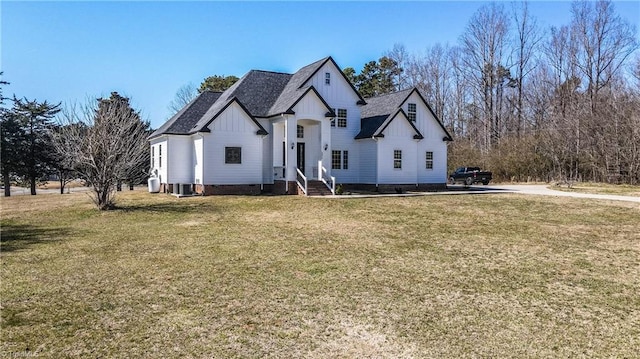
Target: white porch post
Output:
[(290, 147), (325, 139)]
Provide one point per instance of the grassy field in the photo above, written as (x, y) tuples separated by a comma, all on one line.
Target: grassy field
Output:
[(438, 276)]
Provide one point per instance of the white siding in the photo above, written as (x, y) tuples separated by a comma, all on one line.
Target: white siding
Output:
[(197, 158), (180, 160), (368, 161), (397, 136), (160, 161), (267, 152), (233, 128), (339, 94), (433, 135), (310, 114)]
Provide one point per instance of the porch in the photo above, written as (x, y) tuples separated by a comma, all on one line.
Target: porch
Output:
[(301, 153)]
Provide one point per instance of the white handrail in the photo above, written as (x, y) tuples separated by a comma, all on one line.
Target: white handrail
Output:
[(300, 174), (322, 173)]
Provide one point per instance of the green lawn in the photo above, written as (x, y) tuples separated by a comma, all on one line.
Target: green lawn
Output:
[(436, 276)]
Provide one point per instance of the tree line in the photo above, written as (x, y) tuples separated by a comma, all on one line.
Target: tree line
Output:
[(530, 103)]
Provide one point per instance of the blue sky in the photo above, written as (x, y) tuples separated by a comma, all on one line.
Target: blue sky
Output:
[(147, 50)]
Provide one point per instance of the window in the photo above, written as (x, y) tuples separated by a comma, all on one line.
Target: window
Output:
[(233, 155), (153, 157), (335, 160), (412, 112), (342, 117), (160, 156), (300, 132), (397, 159), (339, 160), (345, 160), (327, 78), (429, 161)]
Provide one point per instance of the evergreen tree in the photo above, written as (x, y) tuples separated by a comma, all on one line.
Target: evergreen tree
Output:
[(33, 147), (217, 83)]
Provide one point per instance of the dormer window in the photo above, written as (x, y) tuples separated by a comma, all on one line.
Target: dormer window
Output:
[(411, 111), (327, 78)]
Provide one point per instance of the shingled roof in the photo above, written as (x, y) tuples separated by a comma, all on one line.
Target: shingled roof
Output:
[(378, 109), (260, 93), (183, 121)]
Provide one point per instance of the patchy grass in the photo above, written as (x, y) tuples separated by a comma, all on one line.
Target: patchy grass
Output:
[(601, 188), (437, 276)]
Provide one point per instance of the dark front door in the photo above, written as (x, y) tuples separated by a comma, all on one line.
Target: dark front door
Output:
[(301, 156)]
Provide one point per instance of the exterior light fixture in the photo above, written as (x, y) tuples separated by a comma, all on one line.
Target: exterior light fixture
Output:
[(326, 146), (293, 144)]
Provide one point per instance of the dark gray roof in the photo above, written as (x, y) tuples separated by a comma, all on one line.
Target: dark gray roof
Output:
[(259, 93), (188, 116), (369, 126), (256, 91), (379, 108), (384, 104), (294, 89)]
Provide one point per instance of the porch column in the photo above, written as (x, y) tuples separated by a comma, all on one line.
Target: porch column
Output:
[(290, 141), (325, 139)]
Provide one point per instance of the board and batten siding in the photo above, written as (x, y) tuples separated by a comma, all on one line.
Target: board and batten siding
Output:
[(433, 134), (397, 136), (310, 114), (340, 94), (267, 151), (232, 128)]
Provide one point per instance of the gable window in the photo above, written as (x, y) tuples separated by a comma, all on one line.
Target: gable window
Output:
[(397, 159), (411, 111), (342, 117), (327, 78), (233, 155), (160, 156), (429, 160), (300, 132), (339, 160)]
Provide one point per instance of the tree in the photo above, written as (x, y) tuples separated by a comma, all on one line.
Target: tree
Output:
[(350, 74), (485, 46), (10, 141), (376, 78), (527, 39), (400, 55), (34, 147), (183, 96), (105, 142), (217, 83), (8, 129)]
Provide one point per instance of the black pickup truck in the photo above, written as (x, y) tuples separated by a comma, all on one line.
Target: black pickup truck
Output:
[(469, 176)]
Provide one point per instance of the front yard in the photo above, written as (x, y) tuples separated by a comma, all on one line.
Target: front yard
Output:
[(436, 276)]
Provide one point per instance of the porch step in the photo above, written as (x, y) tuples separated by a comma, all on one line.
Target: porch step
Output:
[(317, 188)]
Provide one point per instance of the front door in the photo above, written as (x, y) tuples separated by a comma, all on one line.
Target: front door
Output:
[(301, 156)]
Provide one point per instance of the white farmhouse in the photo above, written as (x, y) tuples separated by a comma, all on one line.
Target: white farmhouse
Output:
[(300, 133)]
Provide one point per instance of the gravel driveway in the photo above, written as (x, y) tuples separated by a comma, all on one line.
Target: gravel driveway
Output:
[(545, 191)]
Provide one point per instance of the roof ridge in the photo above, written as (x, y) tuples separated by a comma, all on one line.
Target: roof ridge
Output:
[(271, 72)]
